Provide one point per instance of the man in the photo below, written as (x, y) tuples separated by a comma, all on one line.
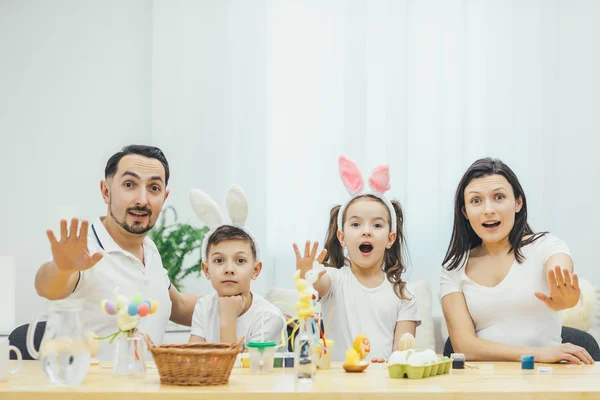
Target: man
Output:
[(115, 252)]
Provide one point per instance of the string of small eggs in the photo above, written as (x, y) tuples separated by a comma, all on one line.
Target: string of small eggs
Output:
[(138, 306)]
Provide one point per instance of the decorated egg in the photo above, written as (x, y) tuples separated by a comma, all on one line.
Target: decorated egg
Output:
[(143, 309), (137, 299), (108, 307), (132, 309), (154, 306)]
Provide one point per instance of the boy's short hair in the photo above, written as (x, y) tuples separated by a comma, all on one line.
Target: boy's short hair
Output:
[(228, 232)]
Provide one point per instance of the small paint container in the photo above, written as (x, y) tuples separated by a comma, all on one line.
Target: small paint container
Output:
[(245, 360), (284, 360), (527, 362), (288, 361), (458, 360)]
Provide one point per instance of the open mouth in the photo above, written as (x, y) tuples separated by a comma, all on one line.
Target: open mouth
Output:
[(366, 248), (138, 215), (491, 225)]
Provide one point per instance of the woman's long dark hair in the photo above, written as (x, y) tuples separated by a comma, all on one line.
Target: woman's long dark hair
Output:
[(464, 237)]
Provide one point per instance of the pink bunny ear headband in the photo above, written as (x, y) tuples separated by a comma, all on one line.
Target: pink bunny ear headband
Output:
[(379, 181)]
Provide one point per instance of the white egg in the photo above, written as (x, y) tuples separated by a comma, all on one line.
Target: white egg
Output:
[(398, 357), (417, 359), (407, 341), (431, 356)]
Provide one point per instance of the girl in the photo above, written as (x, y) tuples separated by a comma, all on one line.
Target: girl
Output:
[(497, 273), (365, 286)]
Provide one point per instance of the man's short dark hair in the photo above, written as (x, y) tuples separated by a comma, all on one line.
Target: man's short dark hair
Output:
[(139, 149)]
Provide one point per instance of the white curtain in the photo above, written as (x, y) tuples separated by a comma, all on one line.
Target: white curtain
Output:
[(267, 94)]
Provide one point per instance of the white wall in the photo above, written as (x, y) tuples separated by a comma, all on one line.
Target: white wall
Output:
[(267, 94), (76, 86)]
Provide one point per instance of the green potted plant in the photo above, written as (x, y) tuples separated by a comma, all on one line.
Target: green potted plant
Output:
[(175, 242)]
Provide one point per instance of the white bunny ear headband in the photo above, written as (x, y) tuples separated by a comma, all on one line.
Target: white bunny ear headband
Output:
[(210, 213), (379, 181)]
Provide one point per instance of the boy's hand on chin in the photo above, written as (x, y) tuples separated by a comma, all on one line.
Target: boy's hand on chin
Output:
[(231, 307)]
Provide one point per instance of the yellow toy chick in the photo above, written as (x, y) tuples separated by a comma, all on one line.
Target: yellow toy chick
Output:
[(352, 357), (355, 356), (306, 298), (353, 361), (362, 346)]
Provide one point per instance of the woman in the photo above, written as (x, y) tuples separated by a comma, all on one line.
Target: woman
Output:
[(502, 285)]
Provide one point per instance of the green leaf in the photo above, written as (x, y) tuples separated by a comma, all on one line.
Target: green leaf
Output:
[(175, 243)]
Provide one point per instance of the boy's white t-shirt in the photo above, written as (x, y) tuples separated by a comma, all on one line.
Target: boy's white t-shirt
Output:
[(206, 321), (509, 313), (361, 310)]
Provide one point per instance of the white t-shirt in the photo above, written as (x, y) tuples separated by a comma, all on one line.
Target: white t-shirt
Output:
[(509, 313), (206, 321), (120, 268), (361, 310)]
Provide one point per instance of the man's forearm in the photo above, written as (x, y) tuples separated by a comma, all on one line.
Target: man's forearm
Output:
[(54, 284), (182, 308)]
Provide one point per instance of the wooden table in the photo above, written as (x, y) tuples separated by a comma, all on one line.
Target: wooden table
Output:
[(505, 381)]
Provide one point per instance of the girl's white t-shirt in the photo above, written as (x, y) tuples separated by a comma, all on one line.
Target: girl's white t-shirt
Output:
[(509, 313), (361, 310)]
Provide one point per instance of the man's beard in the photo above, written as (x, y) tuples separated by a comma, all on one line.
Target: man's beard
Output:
[(137, 228)]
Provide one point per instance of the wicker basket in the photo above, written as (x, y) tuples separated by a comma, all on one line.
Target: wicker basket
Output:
[(194, 364)]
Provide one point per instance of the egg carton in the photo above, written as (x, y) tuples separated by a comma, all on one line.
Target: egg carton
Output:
[(399, 371)]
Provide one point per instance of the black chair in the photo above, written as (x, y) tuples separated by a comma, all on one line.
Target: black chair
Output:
[(18, 338), (569, 335)]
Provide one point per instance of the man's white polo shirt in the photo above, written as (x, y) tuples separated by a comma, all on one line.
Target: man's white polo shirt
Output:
[(120, 268)]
